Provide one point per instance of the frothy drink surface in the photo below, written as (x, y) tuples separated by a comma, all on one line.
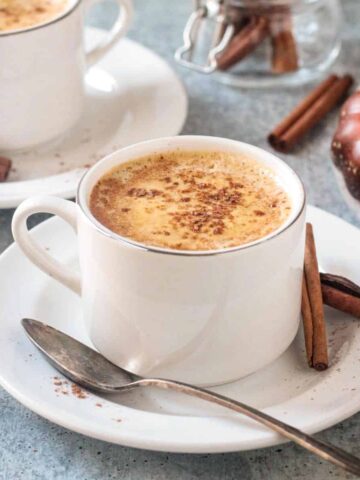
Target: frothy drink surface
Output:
[(18, 14), (191, 200)]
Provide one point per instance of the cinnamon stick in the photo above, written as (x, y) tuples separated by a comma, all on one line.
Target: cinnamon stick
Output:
[(340, 283), (244, 42), (341, 301), (5, 166), (284, 51), (284, 57), (301, 108), (307, 322), (340, 293), (312, 277), (309, 112)]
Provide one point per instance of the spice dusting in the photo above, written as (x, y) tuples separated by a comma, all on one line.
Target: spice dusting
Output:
[(191, 200), (19, 14), (64, 388)]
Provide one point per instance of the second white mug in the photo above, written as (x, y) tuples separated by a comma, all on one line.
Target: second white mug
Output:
[(42, 72)]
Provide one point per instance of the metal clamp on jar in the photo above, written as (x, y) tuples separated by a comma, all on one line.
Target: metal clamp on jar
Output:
[(261, 43)]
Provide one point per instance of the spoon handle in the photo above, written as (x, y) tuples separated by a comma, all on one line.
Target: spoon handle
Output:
[(333, 454)]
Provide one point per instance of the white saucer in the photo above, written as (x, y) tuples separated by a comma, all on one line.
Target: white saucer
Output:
[(132, 95), (158, 420)]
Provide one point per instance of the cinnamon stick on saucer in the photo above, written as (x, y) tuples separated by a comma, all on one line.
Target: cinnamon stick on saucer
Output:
[(340, 293), (307, 322), (5, 166), (309, 112), (244, 42), (314, 328)]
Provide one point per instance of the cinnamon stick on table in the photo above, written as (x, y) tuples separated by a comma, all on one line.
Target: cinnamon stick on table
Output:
[(313, 317), (309, 112), (244, 42)]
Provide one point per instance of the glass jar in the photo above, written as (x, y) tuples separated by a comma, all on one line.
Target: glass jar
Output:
[(262, 43)]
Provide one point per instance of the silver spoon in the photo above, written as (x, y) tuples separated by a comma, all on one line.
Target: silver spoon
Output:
[(91, 370)]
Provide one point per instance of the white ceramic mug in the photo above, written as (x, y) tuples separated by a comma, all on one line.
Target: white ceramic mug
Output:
[(204, 317), (42, 72)]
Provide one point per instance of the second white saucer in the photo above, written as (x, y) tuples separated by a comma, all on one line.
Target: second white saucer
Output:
[(132, 95)]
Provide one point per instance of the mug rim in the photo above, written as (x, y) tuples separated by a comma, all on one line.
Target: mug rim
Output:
[(19, 31), (83, 204)]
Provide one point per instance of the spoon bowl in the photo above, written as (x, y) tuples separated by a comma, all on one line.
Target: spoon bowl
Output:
[(76, 361)]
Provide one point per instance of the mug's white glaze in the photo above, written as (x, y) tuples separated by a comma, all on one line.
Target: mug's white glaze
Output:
[(42, 72), (201, 317)]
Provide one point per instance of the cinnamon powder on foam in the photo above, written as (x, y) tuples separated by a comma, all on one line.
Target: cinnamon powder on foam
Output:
[(191, 200), (18, 14)]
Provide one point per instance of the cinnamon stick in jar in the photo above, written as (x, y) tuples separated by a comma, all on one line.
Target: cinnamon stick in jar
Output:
[(319, 352), (244, 42), (284, 50), (309, 112)]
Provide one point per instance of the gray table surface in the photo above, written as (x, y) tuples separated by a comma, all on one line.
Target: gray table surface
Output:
[(31, 447)]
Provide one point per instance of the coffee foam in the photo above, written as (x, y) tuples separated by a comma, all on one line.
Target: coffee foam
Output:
[(22, 14), (191, 200)]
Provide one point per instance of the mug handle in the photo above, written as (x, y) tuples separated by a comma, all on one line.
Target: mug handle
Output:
[(118, 30), (46, 204)]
